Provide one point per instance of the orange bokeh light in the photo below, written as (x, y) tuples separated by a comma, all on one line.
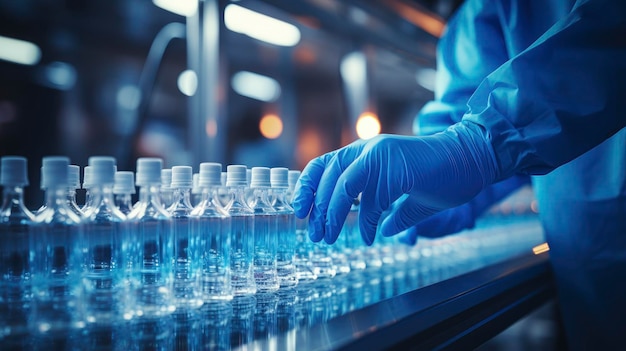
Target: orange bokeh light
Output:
[(271, 126)]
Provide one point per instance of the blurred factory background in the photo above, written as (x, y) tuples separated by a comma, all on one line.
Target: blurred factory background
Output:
[(261, 83)]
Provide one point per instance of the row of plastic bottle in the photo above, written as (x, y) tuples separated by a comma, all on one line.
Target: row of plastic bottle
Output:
[(65, 266)]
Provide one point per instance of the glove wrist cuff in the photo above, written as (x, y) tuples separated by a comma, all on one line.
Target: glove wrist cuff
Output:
[(476, 141)]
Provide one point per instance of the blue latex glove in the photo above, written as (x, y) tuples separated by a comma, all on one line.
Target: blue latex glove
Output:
[(456, 219), (437, 172)]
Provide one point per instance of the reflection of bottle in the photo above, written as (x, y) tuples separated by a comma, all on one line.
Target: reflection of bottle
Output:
[(264, 324), (123, 190), (242, 229), (152, 333), (104, 276), (211, 229), (186, 323), (285, 228), (215, 325), (241, 324), (265, 235), (15, 224), (150, 242), (185, 263), (285, 314), (56, 256), (304, 246)]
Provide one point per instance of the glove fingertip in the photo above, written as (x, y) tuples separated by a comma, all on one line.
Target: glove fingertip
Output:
[(368, 235), (389, 228), (315, 233)]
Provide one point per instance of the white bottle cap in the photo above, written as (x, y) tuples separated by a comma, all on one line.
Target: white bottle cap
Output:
[(248, 176), (55, 171), (293, 178), (73, 176), (223, 178), (182, 177), (86, 177), (236, 175), (279, 177), (210, 174), (260, 177), (102, 170), (13, 171), (149, 171), (166, 178), (124, 183)]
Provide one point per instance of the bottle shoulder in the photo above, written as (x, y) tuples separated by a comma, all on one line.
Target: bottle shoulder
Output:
[(60, 215), (104, 212), (207, 208), (148, 210), (16, 212)]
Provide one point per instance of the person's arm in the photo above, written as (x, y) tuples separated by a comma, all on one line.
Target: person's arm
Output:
[(549, 104), (472, 47), (560, 97)]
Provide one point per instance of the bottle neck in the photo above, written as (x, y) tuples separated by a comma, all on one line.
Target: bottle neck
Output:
[(261, 198), (125, 199), (209, 193), (13, 199), (182, 198), (238, 198), (280, 199), (150, 193), (101, 195), (56, 196)]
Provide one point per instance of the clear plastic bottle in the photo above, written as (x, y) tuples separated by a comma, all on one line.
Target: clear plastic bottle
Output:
[(211, 229), (74, 183), (185, 263), (196, 191), (43, 188), (86, 186), (223, 194), (265, 232), (56, 256), (242, 233), (15, 224), (104, 279), (304, 246), (150, 241), (123, 191), (167, 193), (285, 228)]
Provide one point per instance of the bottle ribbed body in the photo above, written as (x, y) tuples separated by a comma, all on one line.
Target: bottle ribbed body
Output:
[(186, 260), (212, 229), (241, 243), (57, 266), (16, 223), (104, 277), (286, 238), (149, 244)]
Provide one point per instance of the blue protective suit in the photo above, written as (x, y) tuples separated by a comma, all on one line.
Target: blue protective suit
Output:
[(547, 80)]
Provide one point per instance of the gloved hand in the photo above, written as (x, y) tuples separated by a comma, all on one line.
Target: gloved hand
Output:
[(456, 219), (437, 172)]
